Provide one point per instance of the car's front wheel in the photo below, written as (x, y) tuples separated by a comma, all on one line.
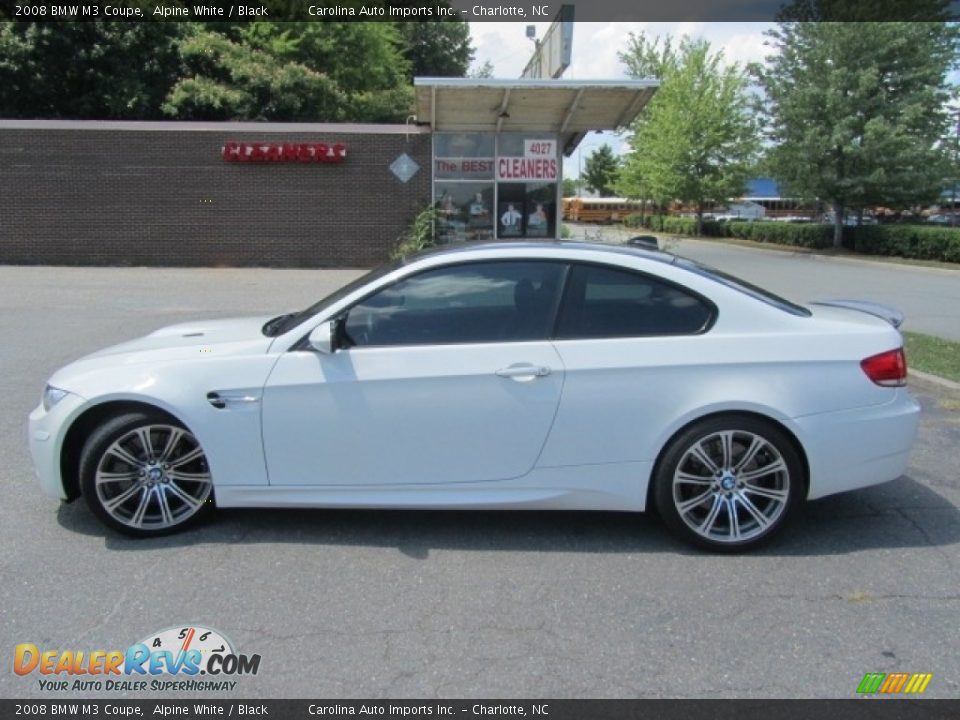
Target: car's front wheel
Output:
[(145, 475), (728, 483)]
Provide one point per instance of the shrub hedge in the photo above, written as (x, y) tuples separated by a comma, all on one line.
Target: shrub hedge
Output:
[(909, 241)]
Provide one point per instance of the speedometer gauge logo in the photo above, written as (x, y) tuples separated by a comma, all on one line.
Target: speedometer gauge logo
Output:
[(201, 642)]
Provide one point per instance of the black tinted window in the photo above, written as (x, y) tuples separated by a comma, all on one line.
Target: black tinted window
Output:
[(472, 303), (604, 302)]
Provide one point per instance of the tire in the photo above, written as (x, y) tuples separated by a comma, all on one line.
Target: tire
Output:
[(728, 483), (143, 474)]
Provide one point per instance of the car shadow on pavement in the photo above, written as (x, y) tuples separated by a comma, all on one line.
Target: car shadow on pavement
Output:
[(901, 514)]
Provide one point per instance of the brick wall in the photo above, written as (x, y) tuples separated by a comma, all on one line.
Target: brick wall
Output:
[(144, 194)]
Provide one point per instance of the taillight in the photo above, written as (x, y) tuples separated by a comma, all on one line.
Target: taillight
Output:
[(888, 369)]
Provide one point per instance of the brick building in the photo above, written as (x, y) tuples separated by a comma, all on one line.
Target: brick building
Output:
[(118, 193), (486, 153)]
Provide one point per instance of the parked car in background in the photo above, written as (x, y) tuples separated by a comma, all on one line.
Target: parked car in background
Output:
[(522, 375), (851, 219)]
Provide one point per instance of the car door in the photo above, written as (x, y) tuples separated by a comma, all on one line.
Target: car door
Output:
[(446, 376)]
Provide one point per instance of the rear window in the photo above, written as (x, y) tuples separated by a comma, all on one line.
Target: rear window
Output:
[(743, 286), (605, 302)]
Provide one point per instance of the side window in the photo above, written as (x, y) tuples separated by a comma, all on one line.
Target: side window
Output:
[(470, 303), (606, 302)]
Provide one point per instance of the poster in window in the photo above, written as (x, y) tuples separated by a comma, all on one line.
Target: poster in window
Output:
[(537, 221), (511, 219)]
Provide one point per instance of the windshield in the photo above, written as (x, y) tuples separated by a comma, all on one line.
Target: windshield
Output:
[(743, 286), (282, 323)]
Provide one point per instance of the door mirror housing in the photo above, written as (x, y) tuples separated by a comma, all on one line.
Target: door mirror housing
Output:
[(323, 337)]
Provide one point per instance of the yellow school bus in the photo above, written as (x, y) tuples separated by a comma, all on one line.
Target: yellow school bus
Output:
[(599, 210)]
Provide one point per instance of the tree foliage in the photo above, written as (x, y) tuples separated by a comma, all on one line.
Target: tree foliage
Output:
[(104, 70), (289, 71), (437, 48), (696, 140), (857, 113), (600, 171), (329, 71)]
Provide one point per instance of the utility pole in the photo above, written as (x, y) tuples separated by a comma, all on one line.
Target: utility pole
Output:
[(956, 164)]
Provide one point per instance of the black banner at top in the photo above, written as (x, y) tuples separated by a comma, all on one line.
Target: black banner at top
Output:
[(521, 11)]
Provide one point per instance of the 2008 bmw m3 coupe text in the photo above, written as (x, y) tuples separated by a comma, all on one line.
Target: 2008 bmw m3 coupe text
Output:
[(507, 375)]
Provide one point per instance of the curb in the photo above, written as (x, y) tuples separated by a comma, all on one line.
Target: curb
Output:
[(935, 380)]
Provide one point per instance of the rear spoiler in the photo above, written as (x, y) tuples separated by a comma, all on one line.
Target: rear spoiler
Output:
[(884, 312)]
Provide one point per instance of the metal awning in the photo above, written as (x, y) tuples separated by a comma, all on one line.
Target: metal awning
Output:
[(570, 108)]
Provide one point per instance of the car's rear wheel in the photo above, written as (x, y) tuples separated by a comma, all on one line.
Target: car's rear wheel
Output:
[(145, 475), (728, 483)]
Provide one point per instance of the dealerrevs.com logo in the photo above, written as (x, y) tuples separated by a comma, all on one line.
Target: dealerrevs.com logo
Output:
[(172, 659)]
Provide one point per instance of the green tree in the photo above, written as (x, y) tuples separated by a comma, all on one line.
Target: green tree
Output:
[(330, 71), (600, 171), (95, 70), (482, 71), (697, 139), (857, 111), (437, 48), (569, 188)]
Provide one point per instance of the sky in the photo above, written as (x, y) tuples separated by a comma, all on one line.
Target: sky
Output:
[(594, 55)]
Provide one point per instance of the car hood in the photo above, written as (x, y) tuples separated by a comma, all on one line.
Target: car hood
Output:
[(193, 341)]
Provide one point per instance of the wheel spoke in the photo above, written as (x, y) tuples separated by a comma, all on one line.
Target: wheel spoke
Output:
[(749, 454), (688, 505), (189, 477), (146, 442), (776, 466), (108, 477), (700, 454), (172, 440), (166, 516), (115, 502), (117, 451), (707, 525), (771, 493), (688, 479), (194, 454), (183, 495), (731, 505), (762, 520), (726, 448), (141, 511)]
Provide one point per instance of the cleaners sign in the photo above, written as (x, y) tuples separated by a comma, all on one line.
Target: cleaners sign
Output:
[(539, 162)]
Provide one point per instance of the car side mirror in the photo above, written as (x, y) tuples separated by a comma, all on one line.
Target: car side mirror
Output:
[(322, 337)]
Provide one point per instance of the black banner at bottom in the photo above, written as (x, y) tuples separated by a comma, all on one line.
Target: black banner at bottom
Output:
[(864, 708)]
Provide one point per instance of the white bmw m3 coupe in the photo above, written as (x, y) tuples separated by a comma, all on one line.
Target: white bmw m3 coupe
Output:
[(539, 375)]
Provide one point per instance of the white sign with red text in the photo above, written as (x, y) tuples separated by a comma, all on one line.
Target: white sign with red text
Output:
[(539, 148)]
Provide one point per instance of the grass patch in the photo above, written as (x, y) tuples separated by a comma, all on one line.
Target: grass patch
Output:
[(933, 355)]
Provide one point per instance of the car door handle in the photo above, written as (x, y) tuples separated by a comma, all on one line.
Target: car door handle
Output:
[(524, 373)]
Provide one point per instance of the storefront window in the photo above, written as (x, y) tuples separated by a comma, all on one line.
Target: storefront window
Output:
[(489, 186), (527, 210), (464, 211)]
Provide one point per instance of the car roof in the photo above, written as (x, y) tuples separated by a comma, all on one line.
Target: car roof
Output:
[(453, 249)]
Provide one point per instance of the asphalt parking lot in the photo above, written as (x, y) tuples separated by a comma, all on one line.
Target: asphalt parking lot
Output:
[(353, 604)]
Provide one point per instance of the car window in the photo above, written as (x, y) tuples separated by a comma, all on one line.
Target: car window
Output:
[(606, 302), (743, 286), (469, 303)]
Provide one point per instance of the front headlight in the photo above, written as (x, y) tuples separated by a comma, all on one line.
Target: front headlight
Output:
[(51, 396)]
